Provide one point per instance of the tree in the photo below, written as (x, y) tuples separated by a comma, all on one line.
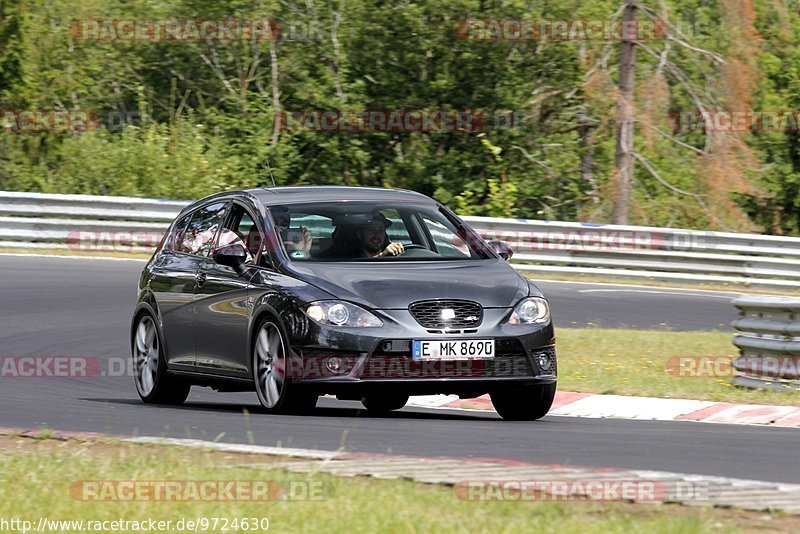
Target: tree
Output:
[(624, 154)]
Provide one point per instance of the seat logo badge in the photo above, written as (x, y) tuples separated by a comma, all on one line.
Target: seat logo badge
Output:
[(448, 314)]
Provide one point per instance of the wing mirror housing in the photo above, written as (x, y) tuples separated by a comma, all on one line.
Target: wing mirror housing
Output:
[(233, 256), (502, 249)]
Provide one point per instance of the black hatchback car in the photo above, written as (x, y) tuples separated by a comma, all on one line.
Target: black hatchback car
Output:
[(366, 294)]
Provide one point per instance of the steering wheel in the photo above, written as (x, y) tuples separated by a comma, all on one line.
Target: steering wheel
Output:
[(417, 251)]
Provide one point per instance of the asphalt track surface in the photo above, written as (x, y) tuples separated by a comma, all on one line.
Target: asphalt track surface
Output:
[(79, 307)]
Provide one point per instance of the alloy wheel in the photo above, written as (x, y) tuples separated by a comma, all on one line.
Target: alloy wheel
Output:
[(270, 365), (146, 354)]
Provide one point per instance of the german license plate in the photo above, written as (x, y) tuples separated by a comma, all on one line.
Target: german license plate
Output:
[(453, 350)]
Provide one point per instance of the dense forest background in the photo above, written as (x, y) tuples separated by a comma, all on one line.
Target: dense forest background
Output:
[(182, 119)]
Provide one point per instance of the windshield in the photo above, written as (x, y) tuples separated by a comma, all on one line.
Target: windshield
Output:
[(368, 231)]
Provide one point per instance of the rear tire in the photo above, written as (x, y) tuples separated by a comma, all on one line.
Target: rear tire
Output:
[(153, 383), (528, 404), (377, 404), (275, 390)]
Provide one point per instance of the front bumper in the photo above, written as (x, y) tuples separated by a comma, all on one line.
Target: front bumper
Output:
[(368, 359)]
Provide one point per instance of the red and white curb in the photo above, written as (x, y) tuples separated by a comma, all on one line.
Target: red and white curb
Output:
[(490, 479), (642, 408)]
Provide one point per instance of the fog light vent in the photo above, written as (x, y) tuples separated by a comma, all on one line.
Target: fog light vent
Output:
[(545, 361), (336, 364)]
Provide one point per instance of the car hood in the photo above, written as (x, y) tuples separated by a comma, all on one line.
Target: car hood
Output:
[(494, 284)]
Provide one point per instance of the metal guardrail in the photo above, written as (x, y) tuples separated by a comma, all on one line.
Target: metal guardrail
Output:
[(47, 221), (638, 252), (35, 220), (768, 342)]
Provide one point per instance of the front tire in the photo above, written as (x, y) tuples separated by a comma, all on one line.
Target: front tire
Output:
[(153, 383), (528, 404), (274, 388)]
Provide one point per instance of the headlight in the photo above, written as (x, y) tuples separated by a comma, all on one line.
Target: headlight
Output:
[(529, 311), (338, 313)]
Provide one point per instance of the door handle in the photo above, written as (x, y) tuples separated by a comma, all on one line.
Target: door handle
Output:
[(200, 279)]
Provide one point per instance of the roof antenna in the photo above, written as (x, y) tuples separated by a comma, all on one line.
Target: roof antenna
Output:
[(270, 172)]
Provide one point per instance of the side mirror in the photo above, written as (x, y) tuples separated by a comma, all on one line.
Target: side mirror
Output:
[(502, 249), (233, 256)]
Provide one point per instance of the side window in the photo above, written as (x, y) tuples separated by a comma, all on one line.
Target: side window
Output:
[(320, 227), (397, 232), (240, 228), (303, 235), (175, 237), (202, 230), (447, 242)]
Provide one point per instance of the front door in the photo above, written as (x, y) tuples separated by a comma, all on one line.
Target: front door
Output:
[(221, 301)]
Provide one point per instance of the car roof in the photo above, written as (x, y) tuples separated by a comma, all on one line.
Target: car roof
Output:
[(271, 196)]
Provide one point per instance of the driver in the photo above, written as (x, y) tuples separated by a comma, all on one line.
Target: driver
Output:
[(373, 239)]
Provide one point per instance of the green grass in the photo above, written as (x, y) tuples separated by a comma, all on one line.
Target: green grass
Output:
[(634, 362), (35, 482)]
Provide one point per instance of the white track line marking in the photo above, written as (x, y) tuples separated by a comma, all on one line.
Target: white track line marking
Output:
[(658, 292), (66, 257), (609, 284)]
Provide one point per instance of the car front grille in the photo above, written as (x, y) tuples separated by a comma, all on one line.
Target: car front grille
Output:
[(464, 313)]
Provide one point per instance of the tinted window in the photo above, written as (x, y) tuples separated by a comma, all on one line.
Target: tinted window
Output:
[(445, 240), (241, 229), (202, 230), (364, 231), (175, 238)]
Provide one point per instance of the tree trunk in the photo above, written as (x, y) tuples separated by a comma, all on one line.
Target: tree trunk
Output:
[(624, 154), (586, 140), (276, 91)]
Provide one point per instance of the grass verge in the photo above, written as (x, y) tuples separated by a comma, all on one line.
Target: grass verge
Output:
[(35, 477), (635, 362)]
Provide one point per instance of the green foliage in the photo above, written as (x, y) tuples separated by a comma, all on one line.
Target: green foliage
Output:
[(500, 196), (200, 116), (779, 90)]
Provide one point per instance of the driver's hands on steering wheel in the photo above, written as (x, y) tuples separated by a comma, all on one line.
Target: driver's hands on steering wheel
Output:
[(394, 249)]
